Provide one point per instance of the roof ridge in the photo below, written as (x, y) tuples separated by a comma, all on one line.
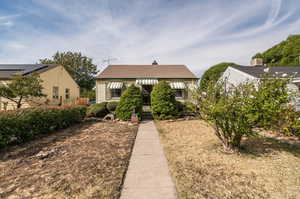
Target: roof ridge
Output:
[(147, 71)]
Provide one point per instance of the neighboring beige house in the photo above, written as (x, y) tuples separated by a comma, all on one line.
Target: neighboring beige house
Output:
[(58, 85), (114, 79)]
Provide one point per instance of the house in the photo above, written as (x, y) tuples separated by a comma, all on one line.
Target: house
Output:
[(114, 79), (58, 85), (235, 75)]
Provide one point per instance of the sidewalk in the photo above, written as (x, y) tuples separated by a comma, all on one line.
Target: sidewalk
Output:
[(148, 175)]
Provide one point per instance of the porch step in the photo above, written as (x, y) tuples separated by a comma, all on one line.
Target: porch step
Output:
[(147, 115)]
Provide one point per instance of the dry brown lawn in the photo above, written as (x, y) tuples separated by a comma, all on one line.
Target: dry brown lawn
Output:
[(84, 161), (265, 168)]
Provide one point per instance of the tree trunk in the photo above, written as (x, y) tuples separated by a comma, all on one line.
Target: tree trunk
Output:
[(19, 103), (233, 145)]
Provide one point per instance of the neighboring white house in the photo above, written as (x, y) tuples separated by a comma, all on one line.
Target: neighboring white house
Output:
[(235, 75)]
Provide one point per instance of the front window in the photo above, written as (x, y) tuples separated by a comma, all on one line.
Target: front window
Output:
[(179, 93), (115, 92), (55, 92), (67, 92)]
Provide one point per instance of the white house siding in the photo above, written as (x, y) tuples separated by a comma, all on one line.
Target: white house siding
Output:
[(235, 77), (103, 93), (100, 91)]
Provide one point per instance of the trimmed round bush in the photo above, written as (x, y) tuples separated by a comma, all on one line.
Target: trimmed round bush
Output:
[(112, 106), (163, 102), (131, 102), (97, 110)]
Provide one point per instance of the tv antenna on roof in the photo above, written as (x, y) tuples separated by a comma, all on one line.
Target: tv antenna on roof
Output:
[(108, 60)]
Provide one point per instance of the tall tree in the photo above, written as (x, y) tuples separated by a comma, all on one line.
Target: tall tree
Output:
[(22, 88), (286, 53), (79, 66), (214, 73)]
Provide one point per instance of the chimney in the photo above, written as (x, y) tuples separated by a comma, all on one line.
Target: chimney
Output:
[(257, 62), (154, 62)]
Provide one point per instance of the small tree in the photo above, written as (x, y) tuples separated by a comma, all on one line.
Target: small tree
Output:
[(234, 112), (163, 102), (22, 88), (131, 102), (227, 111)]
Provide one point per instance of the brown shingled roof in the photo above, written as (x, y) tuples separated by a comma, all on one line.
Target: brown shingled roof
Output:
[(146, 71)]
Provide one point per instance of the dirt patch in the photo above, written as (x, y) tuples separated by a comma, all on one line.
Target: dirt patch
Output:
[(265, 168), (84, 161)]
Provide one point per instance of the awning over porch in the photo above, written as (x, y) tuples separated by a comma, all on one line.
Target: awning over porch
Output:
[(146, 81), (115, 85), (177, 85)]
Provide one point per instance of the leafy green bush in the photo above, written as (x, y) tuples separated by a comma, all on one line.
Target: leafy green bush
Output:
[(22, 125), (235, 111), (267, 108), (131, 101), (227, 112), (187, 108), (163, 102), (97, 110), (290, 123), (112, 106)]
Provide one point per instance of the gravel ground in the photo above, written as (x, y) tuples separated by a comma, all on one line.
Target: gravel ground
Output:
[(264, 168), (85, 161)]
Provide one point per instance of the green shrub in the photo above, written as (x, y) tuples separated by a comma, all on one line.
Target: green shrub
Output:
[(267, 108), (290, 123), (187, 108), (163, 102), (295, 128), (227, 111), (131, 101), (112, 106), (234, 111), (22, 125), (97, 110)]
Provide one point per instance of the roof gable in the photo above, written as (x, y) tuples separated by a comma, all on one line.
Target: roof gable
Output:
[(146, 71)]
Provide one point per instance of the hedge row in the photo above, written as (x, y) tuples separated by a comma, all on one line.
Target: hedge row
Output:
[(25, 124)]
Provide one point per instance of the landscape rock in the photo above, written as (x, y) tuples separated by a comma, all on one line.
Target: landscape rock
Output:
[(45, 154), (109, 117)]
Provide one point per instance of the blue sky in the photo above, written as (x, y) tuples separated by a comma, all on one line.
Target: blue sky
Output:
[(198, 33)]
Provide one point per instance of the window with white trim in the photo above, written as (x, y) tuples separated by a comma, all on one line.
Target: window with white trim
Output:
[(116, 92), (178, 93)]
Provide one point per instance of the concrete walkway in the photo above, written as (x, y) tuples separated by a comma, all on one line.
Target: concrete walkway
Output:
[(148, 175)]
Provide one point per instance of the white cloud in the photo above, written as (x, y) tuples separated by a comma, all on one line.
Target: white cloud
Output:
[(7, 21), (198, 35)]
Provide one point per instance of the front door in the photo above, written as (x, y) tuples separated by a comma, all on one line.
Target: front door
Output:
[(147, 89)]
